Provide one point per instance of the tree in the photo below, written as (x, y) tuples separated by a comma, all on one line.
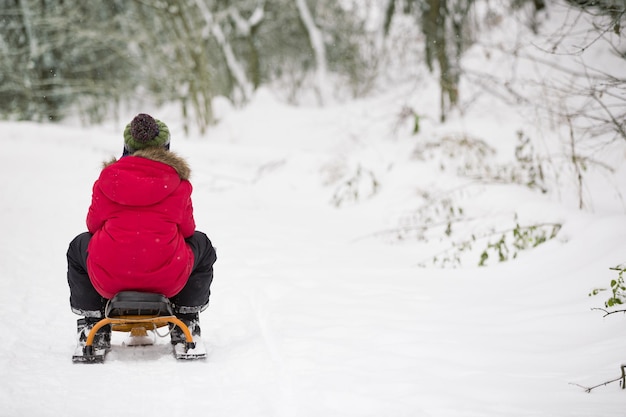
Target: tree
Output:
[(435, 22), (444, 24), (235, 68), (316, 39)]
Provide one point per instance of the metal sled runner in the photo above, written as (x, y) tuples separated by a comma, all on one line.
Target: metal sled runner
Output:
[(138, 313)]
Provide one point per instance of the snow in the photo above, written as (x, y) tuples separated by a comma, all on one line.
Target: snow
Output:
[(314, 312)]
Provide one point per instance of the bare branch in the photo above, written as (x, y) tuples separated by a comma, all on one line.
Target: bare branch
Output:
[(588, 389), (607, 312)]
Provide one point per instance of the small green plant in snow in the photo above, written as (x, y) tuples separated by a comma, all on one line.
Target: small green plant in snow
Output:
[(618, 289)]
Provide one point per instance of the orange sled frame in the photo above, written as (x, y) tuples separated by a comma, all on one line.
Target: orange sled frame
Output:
[(136, 312)]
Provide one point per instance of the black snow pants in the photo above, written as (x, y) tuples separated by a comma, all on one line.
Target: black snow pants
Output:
[(193, 298)]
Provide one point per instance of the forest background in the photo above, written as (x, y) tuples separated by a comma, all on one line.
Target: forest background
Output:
[(59, 58)]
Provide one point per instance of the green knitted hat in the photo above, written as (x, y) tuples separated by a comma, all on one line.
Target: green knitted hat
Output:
[(145, 132)]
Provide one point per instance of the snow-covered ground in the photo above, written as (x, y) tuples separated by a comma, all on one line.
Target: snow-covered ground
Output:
[(314, 312), (309, 316)]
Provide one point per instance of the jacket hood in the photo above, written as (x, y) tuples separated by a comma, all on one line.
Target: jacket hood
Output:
[(168, 158), (144, 178)]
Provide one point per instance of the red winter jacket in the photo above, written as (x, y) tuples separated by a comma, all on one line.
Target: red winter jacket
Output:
[(140, 214)]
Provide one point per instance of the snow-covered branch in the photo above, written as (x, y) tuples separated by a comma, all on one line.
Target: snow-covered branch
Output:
[(233, 64), (244, 26)]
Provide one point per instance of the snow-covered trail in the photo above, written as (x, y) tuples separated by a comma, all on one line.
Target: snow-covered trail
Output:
[(306, 319)]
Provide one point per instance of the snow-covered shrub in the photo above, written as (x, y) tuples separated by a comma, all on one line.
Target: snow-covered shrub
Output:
[(361, 184)]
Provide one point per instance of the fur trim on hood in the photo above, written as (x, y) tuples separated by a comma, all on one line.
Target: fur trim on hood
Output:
[(162, 155)]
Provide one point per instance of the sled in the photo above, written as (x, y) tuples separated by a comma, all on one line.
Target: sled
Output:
[(137, 313)]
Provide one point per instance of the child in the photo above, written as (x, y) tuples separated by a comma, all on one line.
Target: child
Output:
[(141, 235)]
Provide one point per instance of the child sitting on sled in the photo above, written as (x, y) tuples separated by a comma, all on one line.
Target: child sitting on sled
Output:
[(141, 235)]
